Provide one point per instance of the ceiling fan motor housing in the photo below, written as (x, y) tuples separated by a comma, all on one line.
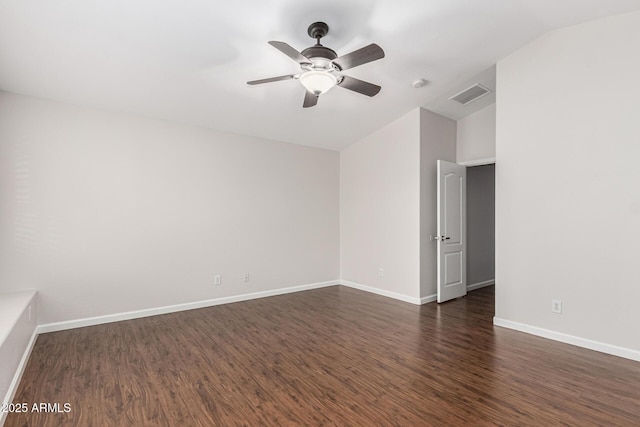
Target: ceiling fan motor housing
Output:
[(320, 52)]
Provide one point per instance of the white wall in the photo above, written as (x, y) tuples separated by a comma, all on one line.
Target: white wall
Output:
[(379, 209), (567, 182), (477, 136), (106, 214), (437, 142)]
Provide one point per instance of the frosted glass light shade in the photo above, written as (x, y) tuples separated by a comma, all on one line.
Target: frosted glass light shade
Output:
[(318, 82)]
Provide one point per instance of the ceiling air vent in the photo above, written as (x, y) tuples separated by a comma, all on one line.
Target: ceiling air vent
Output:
[(469, 95)]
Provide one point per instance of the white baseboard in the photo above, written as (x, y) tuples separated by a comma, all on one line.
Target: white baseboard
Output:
[(13, 387), (428, 299), (481, 285), (406, 298), (98, 320), (384, 293), (614, 350)]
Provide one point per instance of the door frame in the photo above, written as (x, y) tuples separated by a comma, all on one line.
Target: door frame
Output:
[(481, 162)]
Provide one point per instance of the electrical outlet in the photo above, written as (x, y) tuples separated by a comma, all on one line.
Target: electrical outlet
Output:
[(556, 306), (217, 280), (245, 277), (380, 272)]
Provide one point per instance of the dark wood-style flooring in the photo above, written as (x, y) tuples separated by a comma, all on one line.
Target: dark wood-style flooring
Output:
[(333, 356)]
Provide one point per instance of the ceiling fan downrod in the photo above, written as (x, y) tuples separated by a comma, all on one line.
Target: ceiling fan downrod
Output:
[(318, 30)]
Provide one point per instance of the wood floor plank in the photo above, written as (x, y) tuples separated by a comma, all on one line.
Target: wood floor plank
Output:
[(333, 356)]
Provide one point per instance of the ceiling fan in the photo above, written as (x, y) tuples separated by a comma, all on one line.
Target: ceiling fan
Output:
[(321, 67)]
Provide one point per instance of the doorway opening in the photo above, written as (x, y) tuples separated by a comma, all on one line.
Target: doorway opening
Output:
[(481, 232)]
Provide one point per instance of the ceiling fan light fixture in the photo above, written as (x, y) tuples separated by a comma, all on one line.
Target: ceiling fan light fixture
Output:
[(318, 82), (321, 67)]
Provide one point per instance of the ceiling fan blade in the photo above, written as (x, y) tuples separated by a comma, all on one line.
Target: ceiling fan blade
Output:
[(359, 86), (359, 57), (290, 52), (310, 99), (271, 79)]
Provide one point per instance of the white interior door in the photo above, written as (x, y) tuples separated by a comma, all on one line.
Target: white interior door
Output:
[(452, 236)]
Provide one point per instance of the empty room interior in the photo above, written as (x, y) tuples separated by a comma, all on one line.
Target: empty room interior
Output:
[(319, 213)]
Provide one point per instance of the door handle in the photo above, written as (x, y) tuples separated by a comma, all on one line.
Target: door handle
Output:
[(442, 238)]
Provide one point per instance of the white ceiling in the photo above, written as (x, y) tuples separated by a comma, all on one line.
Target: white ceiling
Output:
[(188, 61), (444, 106)]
